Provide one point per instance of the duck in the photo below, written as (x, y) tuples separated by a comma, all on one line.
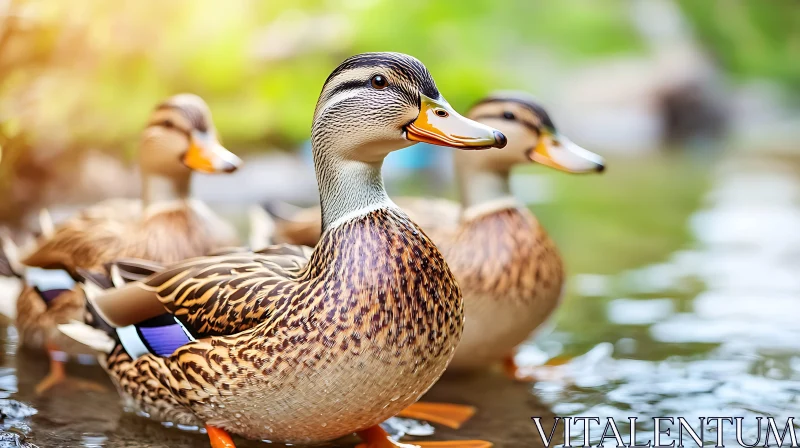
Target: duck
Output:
[(299, 345), (509, 269), (165, 225)]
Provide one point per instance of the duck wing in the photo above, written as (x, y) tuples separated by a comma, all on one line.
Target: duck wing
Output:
[(222, 294)]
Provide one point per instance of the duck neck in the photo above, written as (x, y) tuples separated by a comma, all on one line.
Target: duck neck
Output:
[(158, 188), (480, 187), (348, 188)]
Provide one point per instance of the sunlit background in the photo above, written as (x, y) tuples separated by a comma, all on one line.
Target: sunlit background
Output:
[(683, 257)]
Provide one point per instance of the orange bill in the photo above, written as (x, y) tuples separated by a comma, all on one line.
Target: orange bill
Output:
[(206, 155), (557, 151), (439, 124)]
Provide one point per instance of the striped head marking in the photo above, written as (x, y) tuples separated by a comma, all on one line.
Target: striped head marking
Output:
[(532, 137), (374, 103), (181, 134)]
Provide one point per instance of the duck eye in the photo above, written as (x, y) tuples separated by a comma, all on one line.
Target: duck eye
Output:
[(442, 113), (168, 124), (378, 82), (508, 115)]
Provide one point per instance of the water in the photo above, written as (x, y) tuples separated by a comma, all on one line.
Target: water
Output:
[(710, 329), (682, 301)]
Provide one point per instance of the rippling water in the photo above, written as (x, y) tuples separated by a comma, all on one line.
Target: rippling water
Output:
[(707, 326), (713, 329)]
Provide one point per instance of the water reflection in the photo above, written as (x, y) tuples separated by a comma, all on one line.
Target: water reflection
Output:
[(716, 328), (710, 329)]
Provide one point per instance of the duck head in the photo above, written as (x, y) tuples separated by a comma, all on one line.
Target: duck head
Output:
[(532, 137), (179, 135), (375, 103)]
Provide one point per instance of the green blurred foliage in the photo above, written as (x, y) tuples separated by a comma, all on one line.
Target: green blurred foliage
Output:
[(751, 38), (260, 65), (92, 69), (612, 208)]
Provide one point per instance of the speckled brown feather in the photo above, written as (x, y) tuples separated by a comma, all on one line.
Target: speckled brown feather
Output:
[(101, 234), (504, 254), (166, 234), (37, 323), (507, 266), (347, 341), (511, 274)]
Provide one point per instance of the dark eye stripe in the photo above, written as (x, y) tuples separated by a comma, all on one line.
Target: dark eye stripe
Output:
[(407, 68), (357, 84), (527, 124), (164, 124), (195, 116), (536, 109), (347, 85)]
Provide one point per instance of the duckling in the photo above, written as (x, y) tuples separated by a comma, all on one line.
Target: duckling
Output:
[(297, 345), (166, 225), (508, 268)]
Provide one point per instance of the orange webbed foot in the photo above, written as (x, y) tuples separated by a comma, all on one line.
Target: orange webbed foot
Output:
[(450, 415), (219, 438), (376, 437)]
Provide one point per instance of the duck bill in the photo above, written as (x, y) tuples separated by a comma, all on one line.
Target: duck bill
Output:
[(562, 154), (206, 155), (439, 124)]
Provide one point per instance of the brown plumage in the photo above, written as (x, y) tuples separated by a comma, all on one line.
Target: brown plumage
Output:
[(299, 346), (166, 226), (172, 233), (165, 233), (507, 266), (347, 323), (512, 276)]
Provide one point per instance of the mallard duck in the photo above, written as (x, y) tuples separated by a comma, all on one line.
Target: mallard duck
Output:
[(508, 268), (166, 225), (302, 346)]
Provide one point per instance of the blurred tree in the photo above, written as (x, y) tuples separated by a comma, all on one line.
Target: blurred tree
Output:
[(26, 47), (83, 74), (99, 66)]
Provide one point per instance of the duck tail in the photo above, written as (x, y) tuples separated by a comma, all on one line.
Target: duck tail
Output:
[(89, 336), (94, 331), (160, 335), (262, 227)]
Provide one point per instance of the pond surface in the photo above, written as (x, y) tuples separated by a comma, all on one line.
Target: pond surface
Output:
[(682, 301)]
